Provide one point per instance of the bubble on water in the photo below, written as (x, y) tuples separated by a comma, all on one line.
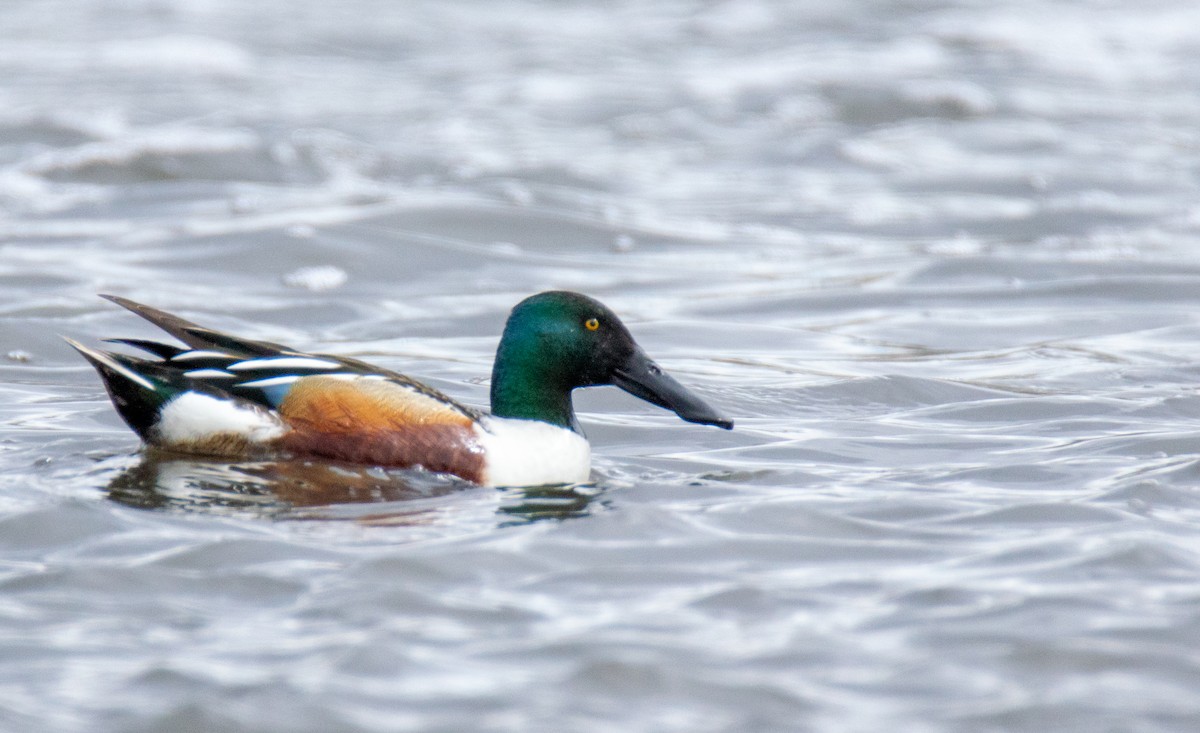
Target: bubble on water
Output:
[(19, 356), (956, 98), (316, 278), (518, 193), (175, 54), (302, 231), (506, 248)]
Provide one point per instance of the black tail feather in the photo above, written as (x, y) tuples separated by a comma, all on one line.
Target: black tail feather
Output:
[(237, 345), (196, 336), (162, 351), (138, 388)]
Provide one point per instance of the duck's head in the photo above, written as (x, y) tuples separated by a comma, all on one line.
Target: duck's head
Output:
[(557, 341)]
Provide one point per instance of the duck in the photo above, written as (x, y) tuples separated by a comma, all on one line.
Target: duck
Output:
[(236, 398)]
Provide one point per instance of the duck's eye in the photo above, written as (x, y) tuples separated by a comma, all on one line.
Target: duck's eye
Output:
[(591, 324)]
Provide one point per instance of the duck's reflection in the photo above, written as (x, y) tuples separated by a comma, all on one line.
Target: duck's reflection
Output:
[(297, 489)]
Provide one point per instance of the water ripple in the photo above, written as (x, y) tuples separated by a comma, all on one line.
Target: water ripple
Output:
[(938, 261)]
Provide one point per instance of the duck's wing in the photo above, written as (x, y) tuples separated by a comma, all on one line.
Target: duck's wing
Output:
[(319, 389)]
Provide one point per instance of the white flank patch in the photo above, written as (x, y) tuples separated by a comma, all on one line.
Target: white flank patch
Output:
[(193, 417), (284, 362), (532, 453)]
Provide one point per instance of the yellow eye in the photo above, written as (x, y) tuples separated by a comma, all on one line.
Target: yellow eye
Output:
[(592, 324)]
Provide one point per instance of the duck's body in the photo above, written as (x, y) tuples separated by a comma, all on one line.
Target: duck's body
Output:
[(233, 397), (370, 420)]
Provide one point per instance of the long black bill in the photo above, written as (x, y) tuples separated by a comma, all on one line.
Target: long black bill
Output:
[(641, 377)]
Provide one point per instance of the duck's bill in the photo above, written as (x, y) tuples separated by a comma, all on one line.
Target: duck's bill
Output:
[(641, 377)]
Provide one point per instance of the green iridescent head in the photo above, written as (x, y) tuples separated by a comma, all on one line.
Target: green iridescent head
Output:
[(557, 341)]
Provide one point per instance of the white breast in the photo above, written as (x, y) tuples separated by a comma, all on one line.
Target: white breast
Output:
[(532, 453)]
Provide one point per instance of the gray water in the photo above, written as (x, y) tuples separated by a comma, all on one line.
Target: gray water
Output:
[(939, 260)]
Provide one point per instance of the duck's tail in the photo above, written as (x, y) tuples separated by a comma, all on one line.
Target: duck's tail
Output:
[(168, 409), (138, 388)]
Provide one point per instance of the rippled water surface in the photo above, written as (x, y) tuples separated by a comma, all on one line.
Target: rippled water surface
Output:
[(940, 260)]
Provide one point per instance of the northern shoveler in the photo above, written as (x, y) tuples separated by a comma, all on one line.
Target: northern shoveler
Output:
[(229, 396)]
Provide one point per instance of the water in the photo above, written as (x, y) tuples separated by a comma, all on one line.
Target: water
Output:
[(938, 259)]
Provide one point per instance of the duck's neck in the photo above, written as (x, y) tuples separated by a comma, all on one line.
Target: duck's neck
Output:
[(528, 388)]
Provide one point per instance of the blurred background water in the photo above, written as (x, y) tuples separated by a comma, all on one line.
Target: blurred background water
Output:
[(939, 259)]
